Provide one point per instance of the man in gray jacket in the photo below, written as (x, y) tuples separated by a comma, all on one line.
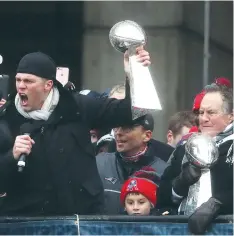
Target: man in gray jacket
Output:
[(136, 152)]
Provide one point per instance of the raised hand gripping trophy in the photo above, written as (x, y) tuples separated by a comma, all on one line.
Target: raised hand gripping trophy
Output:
[(128, 35), (201, 151)]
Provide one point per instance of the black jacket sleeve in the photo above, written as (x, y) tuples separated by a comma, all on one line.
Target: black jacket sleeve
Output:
[(170, 173), (8, 164), (8, 167), (105, 112), (222, 178)]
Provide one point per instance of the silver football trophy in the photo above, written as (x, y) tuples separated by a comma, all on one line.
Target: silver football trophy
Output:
[(200, 151), (128, 35)]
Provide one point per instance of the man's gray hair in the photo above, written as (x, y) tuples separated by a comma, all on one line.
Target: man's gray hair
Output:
[(226, 93)]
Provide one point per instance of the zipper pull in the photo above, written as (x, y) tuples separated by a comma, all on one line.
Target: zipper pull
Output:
[(42, 130)]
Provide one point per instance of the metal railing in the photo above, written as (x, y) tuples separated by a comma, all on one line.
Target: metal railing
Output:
[(108, 225)]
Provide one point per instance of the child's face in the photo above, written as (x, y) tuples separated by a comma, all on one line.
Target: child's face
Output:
[(137, 204)]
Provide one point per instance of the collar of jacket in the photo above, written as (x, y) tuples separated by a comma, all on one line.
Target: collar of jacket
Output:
[(223, 136), (67, 109), (146, 159)]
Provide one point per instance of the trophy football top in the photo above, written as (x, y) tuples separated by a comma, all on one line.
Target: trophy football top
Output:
[(201, 150), (125, 34)]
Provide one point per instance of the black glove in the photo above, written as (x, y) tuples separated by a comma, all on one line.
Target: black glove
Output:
[(203, 216), (69, 86), (189, 175)]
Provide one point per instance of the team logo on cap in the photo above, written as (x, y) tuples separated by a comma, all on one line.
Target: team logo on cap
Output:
[(132, 185)]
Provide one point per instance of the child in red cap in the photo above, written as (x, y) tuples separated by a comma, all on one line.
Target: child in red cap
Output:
[(138, 196)]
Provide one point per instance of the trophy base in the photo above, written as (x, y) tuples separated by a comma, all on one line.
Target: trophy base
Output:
[(143, 90), (199, 193)]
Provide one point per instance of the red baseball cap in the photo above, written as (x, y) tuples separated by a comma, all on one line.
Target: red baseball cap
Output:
[(223, 81), (194, 129), (198, 100)]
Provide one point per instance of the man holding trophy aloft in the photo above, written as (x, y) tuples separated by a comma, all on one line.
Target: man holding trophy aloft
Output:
[(199, 179), (46, 135)]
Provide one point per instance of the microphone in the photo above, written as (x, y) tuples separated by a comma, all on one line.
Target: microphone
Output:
[(26, 130), (21, 162)]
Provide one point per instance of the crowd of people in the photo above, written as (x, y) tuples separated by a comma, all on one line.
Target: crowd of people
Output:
[(85, 154)]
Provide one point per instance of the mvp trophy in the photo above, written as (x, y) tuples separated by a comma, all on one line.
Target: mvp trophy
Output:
[(200, 151), (128, 35)]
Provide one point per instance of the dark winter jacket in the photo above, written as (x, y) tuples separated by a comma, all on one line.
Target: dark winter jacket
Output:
[(221, 174), (61, 175)]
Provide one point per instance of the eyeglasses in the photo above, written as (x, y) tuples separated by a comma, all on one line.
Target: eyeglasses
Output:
[(127, 128)]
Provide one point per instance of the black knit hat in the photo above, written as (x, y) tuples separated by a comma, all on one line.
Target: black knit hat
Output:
[(39, 64)]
